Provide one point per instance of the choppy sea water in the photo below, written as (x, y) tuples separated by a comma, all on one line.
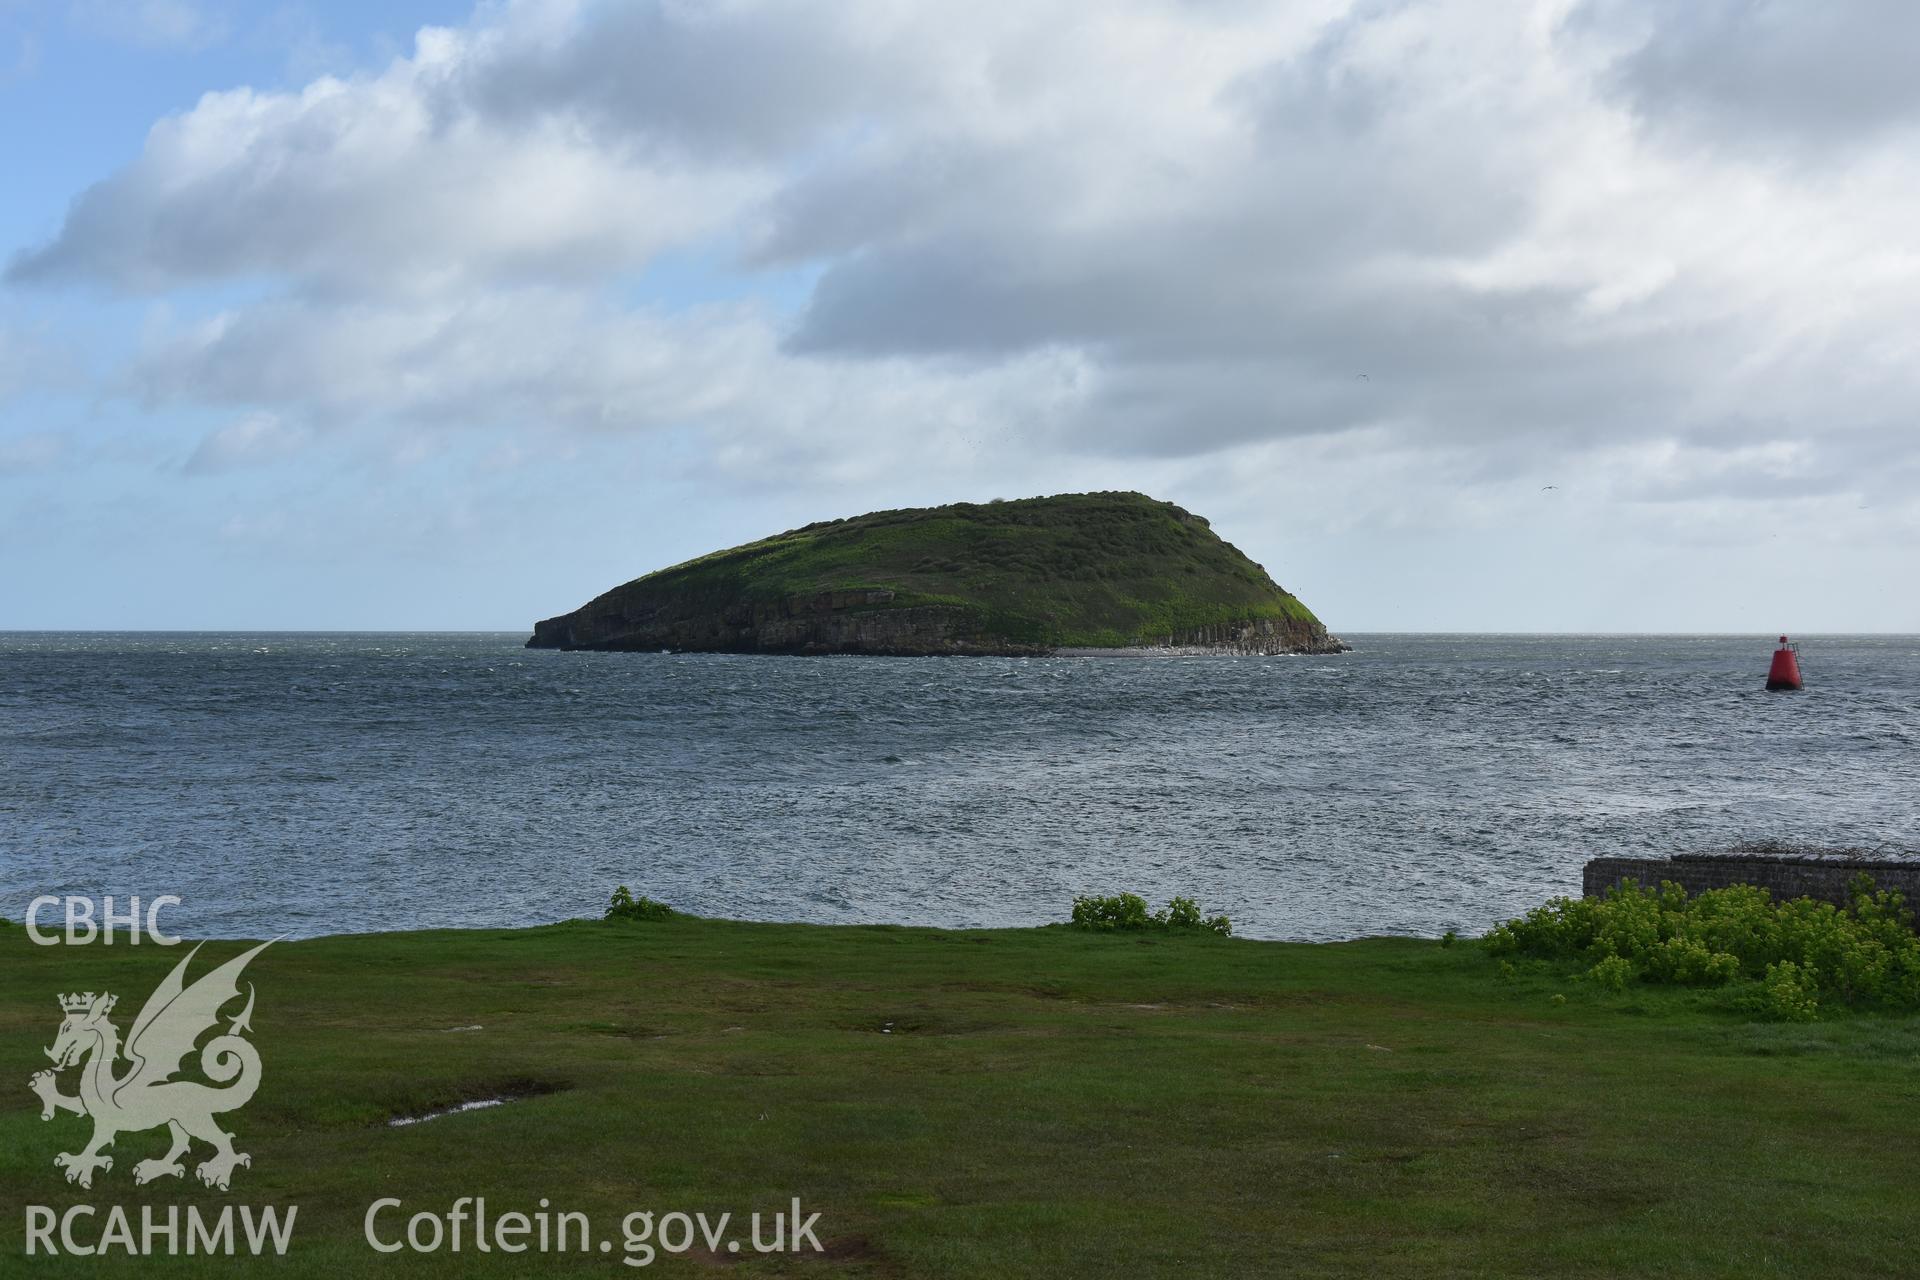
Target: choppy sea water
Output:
[(326, 783)]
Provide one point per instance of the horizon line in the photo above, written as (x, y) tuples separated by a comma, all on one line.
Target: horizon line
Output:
[(502, 631)]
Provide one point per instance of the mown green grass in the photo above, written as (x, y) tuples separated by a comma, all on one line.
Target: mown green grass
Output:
[(1047, 1103), (1092, 569)]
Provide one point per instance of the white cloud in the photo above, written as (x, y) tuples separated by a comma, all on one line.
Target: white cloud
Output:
[(358, 187), (1770, 73), (547, 360), (250, 441), (1135, 236)]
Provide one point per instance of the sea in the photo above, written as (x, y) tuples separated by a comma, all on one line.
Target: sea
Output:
[(308, 784)]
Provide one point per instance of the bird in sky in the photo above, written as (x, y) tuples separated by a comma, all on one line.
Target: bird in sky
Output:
[(1545, 487)]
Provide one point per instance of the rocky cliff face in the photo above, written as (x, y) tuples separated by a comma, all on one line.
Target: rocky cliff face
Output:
[(1259, 636), (867, 622)]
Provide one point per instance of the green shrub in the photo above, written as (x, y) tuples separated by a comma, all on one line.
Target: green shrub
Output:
[(1128, 911), (625, 906), (1788, 992), (1612, 973), (1122, 911), (1788, 956), (1184, 913)]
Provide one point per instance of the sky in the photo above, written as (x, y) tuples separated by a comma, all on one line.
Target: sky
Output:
[(1571, 315)]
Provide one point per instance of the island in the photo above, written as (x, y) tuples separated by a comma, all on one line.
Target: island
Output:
[(1109, 572)]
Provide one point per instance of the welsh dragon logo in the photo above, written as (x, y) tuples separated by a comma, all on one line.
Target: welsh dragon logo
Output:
[(146, 1095)]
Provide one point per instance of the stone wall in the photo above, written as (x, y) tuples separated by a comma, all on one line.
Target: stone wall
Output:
[(1784, 876)]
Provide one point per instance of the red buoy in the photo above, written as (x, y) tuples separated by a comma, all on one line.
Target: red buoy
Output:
[(1785, 672)]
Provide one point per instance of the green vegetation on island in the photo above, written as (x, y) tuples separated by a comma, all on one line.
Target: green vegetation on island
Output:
[(1084, 570), (1054, 1102)]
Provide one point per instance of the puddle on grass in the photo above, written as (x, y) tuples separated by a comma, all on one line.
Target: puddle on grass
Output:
[(475, 1105), (511, 1091)]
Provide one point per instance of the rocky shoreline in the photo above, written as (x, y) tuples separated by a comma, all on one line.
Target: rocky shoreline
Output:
[(865, 622), (1334, 645)]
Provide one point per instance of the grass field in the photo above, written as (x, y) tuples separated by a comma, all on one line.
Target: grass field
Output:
[(1011, 1103)]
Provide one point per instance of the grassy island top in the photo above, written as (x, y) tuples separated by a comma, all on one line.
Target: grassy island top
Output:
[(1096, 569)]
